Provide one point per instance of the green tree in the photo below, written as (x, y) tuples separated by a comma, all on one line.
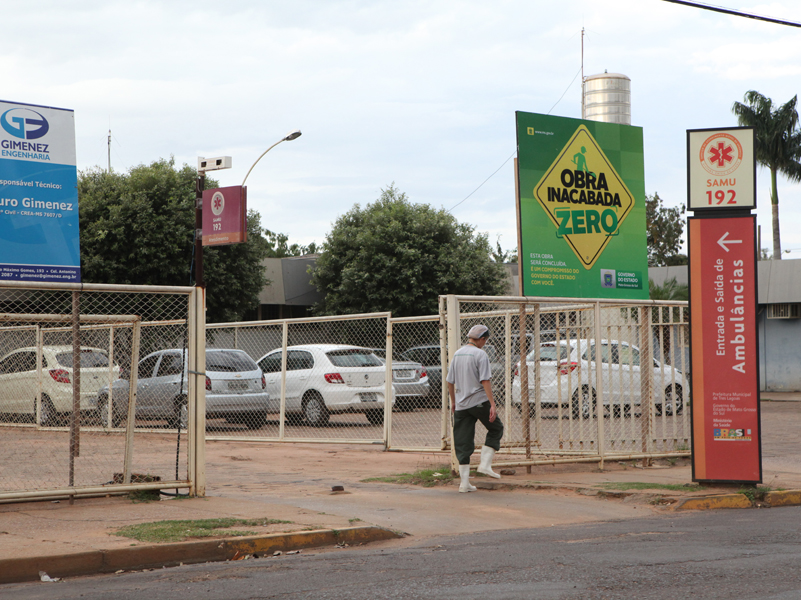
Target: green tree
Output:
[(778, 145), (279, 246), (665, 226), (138, 228), (499, 255), (396, 256), (669, 290)]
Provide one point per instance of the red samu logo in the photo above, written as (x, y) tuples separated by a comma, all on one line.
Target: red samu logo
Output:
[(721, 154)]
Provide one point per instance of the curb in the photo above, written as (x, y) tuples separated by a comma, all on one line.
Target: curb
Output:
[(768, 500), (168, 555)]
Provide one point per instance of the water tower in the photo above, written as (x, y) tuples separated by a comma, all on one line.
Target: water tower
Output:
[(607, 98)]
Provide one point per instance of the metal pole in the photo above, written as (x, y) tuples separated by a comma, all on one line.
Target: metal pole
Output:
[(75, 423), (525, 407), (200, 185), (454, 339)]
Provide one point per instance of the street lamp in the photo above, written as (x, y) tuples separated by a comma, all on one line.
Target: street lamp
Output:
[(288, 138)]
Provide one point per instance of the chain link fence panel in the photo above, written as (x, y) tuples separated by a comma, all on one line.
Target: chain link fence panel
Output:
[(325, 376), (54, 440), (597, 379)]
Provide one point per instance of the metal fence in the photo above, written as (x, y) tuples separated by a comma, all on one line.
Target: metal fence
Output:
[(596, 380), (321, 395), (59, 433)]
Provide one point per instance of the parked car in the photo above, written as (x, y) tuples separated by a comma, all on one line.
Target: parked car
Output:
[(430, 358), (410, 381), (322, 379), (19, 381), (569, 366), (235, 390)]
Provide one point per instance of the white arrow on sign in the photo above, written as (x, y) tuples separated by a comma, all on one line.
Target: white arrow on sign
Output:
[(723, 241)]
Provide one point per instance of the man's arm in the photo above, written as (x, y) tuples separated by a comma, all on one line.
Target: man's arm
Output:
[(488, 389), (452, 394)]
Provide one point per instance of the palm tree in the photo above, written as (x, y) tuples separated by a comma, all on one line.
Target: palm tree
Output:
[(778, 145)]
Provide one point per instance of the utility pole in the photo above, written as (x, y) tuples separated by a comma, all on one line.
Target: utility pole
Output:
[(109, 150)]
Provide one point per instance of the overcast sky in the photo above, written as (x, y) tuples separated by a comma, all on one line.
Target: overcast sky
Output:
[(420, 93)]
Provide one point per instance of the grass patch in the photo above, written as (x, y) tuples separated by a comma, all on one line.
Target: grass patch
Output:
[(178, 531), (755, 493), (424, 477), (641, 485)]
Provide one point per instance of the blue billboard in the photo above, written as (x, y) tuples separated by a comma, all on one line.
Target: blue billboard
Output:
[(39, 237)]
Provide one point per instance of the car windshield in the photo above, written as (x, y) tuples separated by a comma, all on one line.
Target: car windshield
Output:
[(425, 356), (551, 352), (88, 360), (355, 357), (229, 362)]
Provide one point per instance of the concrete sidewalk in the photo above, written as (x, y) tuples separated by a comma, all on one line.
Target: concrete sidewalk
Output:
[(293, 482)]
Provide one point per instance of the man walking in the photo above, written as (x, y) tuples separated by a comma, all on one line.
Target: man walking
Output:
[(470, 390)]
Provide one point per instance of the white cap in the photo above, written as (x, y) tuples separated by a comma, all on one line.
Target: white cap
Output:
[(477, 332)]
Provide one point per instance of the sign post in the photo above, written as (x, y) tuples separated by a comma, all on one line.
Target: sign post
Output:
[(723, 306)]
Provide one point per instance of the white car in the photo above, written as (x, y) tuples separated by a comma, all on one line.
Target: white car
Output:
[(20, 379), (567, 376), (322, 379)]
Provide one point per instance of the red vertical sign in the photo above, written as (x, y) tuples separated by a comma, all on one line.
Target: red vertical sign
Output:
[(725, 377)]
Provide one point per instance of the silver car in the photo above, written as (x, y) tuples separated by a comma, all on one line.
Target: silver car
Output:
[(410, 381), (235, 390)]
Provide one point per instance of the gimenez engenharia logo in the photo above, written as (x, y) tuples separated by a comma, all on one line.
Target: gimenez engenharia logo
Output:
[(25, 124)]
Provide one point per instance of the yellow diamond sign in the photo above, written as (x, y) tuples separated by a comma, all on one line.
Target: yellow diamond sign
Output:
[(584, 197)]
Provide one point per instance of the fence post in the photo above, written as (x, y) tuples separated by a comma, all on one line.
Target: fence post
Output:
[(196, 394), (282, 409), (599, 385), (130, 422), (75, 417), (646, 379), (525, 408), (507, 376), (454, 339), (388, 387), (443, 398)]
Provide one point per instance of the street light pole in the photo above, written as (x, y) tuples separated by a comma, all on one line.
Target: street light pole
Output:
[(288, 138)]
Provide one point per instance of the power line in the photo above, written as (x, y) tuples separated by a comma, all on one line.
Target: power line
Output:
[(515, 152), (736, 13)]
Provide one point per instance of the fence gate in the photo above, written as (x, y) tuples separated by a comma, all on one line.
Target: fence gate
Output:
[(579, 380), (57, 437)]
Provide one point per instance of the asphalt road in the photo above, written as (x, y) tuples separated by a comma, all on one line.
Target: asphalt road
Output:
[(710, 555)]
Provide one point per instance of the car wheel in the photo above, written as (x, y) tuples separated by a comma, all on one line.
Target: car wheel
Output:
[(375, 416), (584, 402), (256, 419), (179, 418), (405, 403), (48, 417), (532, 409), (673, 402), (102, 409), (314, 409)]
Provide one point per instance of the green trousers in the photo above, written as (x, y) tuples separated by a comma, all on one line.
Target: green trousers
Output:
[(464, 431)]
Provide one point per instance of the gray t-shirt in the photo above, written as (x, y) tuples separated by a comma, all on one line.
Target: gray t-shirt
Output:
[(470, 366)]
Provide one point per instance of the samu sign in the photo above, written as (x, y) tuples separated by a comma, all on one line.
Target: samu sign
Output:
[(582, 208)]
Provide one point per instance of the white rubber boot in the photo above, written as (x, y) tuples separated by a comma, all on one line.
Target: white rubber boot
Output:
[(464, 475), (485, 467)]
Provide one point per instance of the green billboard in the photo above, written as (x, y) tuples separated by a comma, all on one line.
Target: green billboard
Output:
[(582, 208)]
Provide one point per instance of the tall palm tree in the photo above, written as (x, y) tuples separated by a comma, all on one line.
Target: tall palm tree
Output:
[(778, 145)]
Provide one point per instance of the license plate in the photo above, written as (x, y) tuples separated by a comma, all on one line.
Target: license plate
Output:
[(404, 374), (237, 386), (369, 397)]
